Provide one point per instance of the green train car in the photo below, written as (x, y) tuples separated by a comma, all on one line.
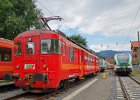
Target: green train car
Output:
[(123, 63), (102, 65)]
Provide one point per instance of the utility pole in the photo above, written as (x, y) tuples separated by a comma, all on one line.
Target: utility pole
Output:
[(138, 49)]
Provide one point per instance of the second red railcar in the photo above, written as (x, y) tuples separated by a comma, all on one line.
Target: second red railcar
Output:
[(6, 57)]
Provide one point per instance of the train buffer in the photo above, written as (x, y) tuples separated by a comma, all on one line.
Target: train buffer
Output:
[(104, 75)]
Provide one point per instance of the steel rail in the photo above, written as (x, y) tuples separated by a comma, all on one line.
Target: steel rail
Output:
[(138, 82), (126, 95), (15, 97)]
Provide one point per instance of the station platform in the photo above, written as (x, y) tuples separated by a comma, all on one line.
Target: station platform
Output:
[(99, 88)]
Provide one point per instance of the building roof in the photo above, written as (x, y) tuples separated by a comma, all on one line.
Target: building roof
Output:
[(110, 60), (134, 44)]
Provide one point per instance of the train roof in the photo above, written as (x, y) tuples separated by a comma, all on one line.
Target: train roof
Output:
[(36, 32), (44, 31), (2, 40), (119, 54), (134, 44)]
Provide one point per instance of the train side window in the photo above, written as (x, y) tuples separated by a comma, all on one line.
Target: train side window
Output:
[(97, 61), (81, 57), (5, 54), (71, 54), (63, 48), (85, 58), (17, 48), (0, 56), (30, 48), (93, 60)]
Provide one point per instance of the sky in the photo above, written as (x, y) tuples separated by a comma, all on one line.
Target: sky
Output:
[(106, 24)]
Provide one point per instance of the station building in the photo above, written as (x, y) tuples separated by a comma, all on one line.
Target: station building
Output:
[(134, 48), (110, 60)]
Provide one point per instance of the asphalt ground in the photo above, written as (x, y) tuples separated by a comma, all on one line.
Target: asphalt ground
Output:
[(136, 67), (94, 88), (99, 89)]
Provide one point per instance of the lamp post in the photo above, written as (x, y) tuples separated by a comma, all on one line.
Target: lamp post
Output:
[(138, 49)]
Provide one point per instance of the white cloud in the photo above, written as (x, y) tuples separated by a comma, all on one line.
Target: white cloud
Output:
[(105, 17), (120, 47), (109, 17)]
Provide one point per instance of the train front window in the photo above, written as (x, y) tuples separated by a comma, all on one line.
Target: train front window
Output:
[(50, 46), (17, 48), (30, 48), (5, 54), (123, 58)]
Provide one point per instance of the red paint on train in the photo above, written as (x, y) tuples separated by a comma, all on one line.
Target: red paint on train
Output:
[(6, 57), (45, 58)]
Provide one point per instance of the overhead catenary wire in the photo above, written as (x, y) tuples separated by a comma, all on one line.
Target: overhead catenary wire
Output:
[(134, 18), (133, 21), (45, 8), (54, 15), (71, 30)]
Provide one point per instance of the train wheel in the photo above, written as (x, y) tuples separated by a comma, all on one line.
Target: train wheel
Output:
[(65, 84), (60, 85), (77, 79)]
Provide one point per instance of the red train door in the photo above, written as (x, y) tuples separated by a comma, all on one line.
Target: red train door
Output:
[(95, 63), (81, 62), (31, 54)]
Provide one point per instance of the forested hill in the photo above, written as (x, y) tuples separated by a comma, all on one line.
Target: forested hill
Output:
[(110, 53)]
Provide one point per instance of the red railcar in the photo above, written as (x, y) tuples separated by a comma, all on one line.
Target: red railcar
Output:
[(47, 59), (6, 57), (97, 64)]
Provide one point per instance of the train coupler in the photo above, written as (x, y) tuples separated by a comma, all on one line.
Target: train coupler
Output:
[(40, 77)]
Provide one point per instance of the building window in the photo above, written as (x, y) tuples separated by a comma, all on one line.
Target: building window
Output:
[(30, 48), (71, 54), (5, 54)]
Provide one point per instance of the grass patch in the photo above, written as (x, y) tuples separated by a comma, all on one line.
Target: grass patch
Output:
[(135, 72), (138, 78)]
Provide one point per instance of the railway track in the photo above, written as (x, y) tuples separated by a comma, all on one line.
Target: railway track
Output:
[(50, 95), (12, 94), (127, 88), (3, 83), (57, 94), (8, 90)]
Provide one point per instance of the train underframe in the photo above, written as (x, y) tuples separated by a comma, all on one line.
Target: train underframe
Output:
[(123, 70), (38, 83), (102, 69)]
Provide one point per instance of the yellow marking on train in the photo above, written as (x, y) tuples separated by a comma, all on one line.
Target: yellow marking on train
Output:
[(6, 44), (69, 66)]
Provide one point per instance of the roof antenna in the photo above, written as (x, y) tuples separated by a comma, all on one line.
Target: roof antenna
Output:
[(46, 20)]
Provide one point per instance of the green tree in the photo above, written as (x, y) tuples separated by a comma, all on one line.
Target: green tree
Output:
[(18, 16), (79, 39)]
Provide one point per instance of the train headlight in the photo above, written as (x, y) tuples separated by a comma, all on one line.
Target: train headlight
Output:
[(17, 66)]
